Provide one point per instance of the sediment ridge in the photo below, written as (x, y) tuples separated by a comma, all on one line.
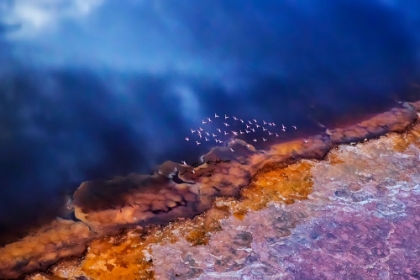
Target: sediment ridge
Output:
[(103, 208)]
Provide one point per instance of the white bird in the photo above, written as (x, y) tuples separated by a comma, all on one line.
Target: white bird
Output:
[(226, 133), (241, 132), (241, 120), (226, 117), (214, 135), (193, 171), (183, 162), (215, 115), (200, 129), (306, 141), (201, 136), (231, 150), (253, 129), (216, 140), (249, 122), (203, 122), (273, 124), (209, 120), (283, 127), (235, 118), (247, 131), (255, 121), (255, 140), (270, 133), (294, 127), (270, 124), (226, 124), (206, 139), (247, 126), (234, 133), (208, 134), (187, 139), (264, 129), (257, 125), (264, 122), (218, 129), (198, 143), (192, 130), (264, 139), (277, 135)]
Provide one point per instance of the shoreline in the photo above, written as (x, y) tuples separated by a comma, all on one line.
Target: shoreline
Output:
[(105, 207)]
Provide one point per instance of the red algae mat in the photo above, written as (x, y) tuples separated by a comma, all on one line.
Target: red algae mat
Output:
[(314, 208)]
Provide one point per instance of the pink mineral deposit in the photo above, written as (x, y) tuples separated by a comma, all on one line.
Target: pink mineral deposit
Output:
[(361, 220)]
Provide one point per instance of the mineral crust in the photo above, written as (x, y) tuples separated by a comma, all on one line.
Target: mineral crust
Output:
[(314, 208)]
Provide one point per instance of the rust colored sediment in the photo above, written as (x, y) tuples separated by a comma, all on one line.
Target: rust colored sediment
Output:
[(60, 239), (104, 207), (127, 255), (395, 120), (133, 200)]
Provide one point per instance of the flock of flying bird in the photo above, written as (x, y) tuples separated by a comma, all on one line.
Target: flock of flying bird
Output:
[(251, 126)]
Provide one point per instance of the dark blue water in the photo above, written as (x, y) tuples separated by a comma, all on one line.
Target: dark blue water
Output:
[(115, 89)]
